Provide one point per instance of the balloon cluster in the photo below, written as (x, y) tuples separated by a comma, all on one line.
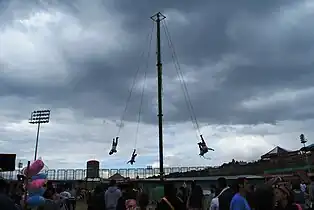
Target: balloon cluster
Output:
[(36, 183)]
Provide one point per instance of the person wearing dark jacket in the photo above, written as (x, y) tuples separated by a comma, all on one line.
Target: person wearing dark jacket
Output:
[(196, 199), (225, 195), (170, 201), (97, 201), (6, 203)]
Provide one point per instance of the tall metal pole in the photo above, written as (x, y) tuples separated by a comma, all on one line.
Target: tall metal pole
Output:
[(36, 145), (158, 18)]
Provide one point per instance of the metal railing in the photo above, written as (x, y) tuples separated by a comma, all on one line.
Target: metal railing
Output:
[(80, 174)]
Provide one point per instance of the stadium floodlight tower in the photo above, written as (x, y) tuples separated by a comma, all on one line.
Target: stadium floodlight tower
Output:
[(38, 117), (303, 141)]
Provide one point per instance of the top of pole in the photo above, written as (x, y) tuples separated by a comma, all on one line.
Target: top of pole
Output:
[(40, 116), (158, 17)]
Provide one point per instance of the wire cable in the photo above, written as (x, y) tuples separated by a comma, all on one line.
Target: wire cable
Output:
[(120, 125), (143, 90), (181, 79)]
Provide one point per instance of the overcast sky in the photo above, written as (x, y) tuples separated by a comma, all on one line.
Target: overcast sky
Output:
[(249, 68)]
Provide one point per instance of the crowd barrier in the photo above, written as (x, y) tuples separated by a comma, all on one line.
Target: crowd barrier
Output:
[(80, 174)]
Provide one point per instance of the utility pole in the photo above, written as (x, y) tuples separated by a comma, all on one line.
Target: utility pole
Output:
[(38, 117), (158, 18)]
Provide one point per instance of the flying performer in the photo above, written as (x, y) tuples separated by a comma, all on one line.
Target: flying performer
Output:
[(114, 145), (203, 147), (132, 161)]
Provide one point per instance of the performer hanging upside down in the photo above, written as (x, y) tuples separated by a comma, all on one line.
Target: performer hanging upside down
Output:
[(132, 161), (203, 147), (114, 145)]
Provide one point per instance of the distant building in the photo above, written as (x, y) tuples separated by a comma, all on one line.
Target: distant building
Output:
[(276, 152), (283, 162), (277, 161), (118, 177)]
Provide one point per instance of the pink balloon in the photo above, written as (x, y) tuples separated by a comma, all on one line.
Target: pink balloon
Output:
[(35, 167), (36, 184)]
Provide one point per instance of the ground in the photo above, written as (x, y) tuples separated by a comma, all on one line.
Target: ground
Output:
[(80, 205)]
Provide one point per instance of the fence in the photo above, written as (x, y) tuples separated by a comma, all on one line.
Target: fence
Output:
[(80, 174)]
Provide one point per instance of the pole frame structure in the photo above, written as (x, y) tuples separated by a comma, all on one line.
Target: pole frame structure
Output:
[(158, 18), (39, 117)]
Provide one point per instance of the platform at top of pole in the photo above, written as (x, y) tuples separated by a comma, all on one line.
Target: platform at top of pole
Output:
[(158, 17)]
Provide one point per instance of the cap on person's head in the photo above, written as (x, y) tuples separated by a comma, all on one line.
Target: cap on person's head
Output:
[(222, 182)]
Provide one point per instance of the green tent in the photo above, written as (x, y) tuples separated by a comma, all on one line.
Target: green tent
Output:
[(157, 193)]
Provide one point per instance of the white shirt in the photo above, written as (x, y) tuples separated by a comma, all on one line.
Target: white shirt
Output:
[(214, 205)]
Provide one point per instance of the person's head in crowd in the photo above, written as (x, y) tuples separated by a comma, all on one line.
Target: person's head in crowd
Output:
[(49, 193), (112, 183), (130, 191), (264, 198), (59, 189), (98, 189), (105, 186), (221, 183), (282, 195), (242, 185)]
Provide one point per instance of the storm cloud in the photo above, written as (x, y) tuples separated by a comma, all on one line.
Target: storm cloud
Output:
[(248, 68)]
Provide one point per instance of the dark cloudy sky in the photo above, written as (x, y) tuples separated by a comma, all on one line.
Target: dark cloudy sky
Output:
[(248, 66)]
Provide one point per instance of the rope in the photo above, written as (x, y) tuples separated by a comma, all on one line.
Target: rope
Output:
[(120, 125), (143, 90), (206, 158), (182, 81)]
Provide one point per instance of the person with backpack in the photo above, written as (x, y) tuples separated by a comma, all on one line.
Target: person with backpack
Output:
[(6, 203), (224, 196)]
